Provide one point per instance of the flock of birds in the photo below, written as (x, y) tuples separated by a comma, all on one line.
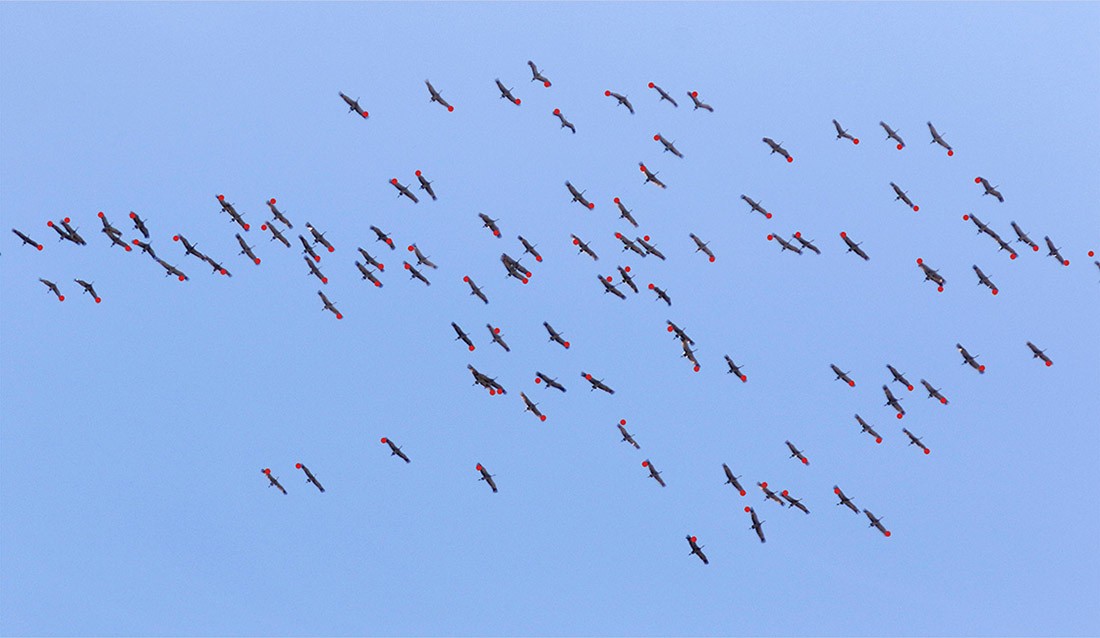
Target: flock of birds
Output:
[(371, 268)]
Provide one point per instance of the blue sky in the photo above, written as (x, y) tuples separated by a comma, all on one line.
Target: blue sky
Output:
[(133, 432)]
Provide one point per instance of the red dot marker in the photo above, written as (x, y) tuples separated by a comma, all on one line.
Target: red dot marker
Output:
[(1049, 363), (471, 348), (492, 392), (651, 86), (622, 421), (966, 218), (843, 234), (298, 466), (271, 201), (496, 331), (127, 248), (642, 168), (466, 279), (617, 201), (790, 159), (852, 384), (696, 368), (539, 258), (878, 440), (324, 280), (805, 461), (517, 100), (566, 345), (542, 417), (977, 180), (1092, 253), (609, 279), (950, 153), (693, 539), (646, 238), (546, 84), (981, 368), (900, 415), (747, 508), (246, 226), (645, 463), (744, 379), (100, 214), (855, 141), (406, 266), (742, 494), (899, 147), (262, 227), (627, 269), (317, 258), (1065, 263), (764, 484), (694, 94), (836, 490), (221, 198), (607, 93), (497, 233), (939, 288), (656, 137), (767, 215), (770, 237), (133, 215), (378, 284), (538, 380), (365, 115), (267, 470), (61, 298), (995, 291), (916, 208), (588, 376), (591, 205), (1035, 248), (175, 237), (97, 300), (1013, 256), (223, 271), (712, 258), (919, 261), (525, 280), (784, 493), (39, 246), (418, 173), (670, 328), (384, 439), (331, 249), (943, 401), (798, 234), (450, 109), (67, 220), (887, 533), (910, 388), (651, 286), (576, 241), (479, 467)]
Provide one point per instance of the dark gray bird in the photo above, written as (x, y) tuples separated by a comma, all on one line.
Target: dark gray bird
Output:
[(893, 401), (903, 197), (1036, 353), (532, 407), (653, 473), (307, 248), (537, 76), (732, 480), (421, 258), (597, 384), (932, 275), (891, 134), (794, 502), (506, 93), (989, 189), (913, 440), (661, 294), (868, 429), (88, 288), (555, 336), (247, 250), (784, 244), (938, 139), (475, 290), (371, 260), (368, 274), (983, 280), (621, 100), (899, 377), (494, 332), (463, 336), (678, 332), (969, 359), (171, 270), (584, 248), (1054, 252), (696, 549), (315, 271), (756, 206), (735, 370), (627, 437), (853, 247), (757, 524), (670, 147), (394, 450), (487, 477), (807, 243), (699, 104), (844, 500), (416, 274), (650, 176), (609, 287), (770, 495), (564, 122), (701, 245), (777, 148), (275, 234), (490, 223), (425, 185), (842, 376), (53, 288), (1022, 237), (796, 453), (139, 225), (578, 196), (841, 133), (310, 478), (436, 97), (664, 96), (353, 106), (876, 523), (404, 190), (233, 214), (329, 306), (528, 247), (933, 392), (550, 383), (274, 482), (627, 279), (649, 248), (27, 240), (278, 214)]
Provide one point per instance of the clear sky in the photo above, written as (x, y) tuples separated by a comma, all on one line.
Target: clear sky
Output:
[(133, 431)]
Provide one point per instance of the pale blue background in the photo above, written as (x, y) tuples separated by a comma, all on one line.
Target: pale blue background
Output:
[(133, 431)]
